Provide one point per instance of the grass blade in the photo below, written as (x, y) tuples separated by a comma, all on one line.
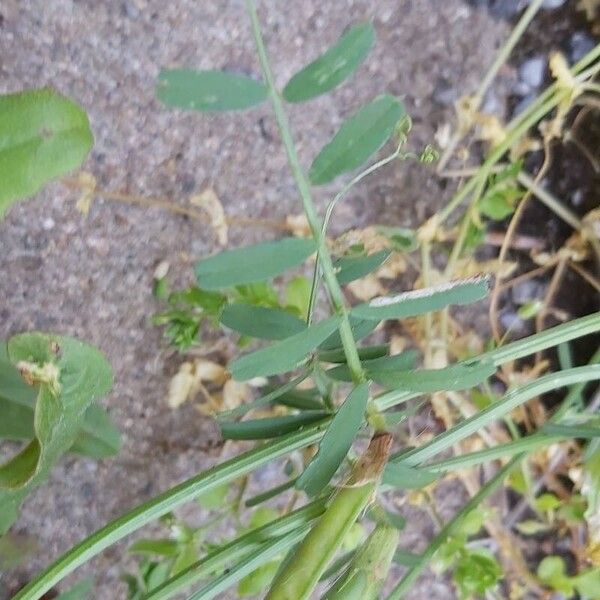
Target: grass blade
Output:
[(423, 559), (237, 549), (162, 504)]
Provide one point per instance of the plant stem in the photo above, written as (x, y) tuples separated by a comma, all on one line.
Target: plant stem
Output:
[(329, 211), (335, 291), (406, 583)]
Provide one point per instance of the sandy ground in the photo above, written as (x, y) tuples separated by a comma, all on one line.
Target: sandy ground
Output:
[(92, 277)]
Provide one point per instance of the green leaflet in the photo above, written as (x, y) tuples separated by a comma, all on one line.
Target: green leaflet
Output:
[(284, 355), (378, 369), (210, 91), (269, 427), (69, 376), (401, 476), (350, 268), (337, 355), (459, 376), (252, 263), (418, 302), (336, 442), (332, 67), (261, 322), (43, 135), (358, 138), (360, 328), (98, 436)]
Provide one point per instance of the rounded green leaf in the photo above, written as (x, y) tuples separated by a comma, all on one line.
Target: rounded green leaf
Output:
[(261, 322), (209, 91), (336, 442), (332, 67), (250, 264), (43, 135), (359, 137)]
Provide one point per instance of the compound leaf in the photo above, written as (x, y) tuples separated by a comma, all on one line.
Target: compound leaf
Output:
[(350, 268)]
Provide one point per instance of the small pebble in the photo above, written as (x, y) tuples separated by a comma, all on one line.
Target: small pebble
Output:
[(531, 72), (579, 45), (48, 224), (526, 292)]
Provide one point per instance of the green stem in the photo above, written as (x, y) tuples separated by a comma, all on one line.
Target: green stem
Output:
[(162, 504), (407, 581), (335, 291), (332, 205)]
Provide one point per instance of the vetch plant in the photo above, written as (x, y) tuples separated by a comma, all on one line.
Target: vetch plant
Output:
[(353, 390)]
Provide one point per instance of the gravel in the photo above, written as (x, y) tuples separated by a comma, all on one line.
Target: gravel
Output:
[(91, 277)]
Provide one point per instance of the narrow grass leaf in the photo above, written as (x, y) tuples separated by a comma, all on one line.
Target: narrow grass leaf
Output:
[(360, 136), (261, 322), (336, 442), (147, 512), (571, 431), (459, 376), (378, 369), (350, 268), (332, 67), (260, 498), (211, 91), (418, 302), (403, 477), (269, 427), (246, 566), (252, 263), (43, 135), (284, 355)]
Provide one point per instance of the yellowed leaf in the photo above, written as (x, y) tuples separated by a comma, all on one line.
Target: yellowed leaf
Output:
[(298, 225), (235, 393), (208, 201), (87, 182), (366, 288)]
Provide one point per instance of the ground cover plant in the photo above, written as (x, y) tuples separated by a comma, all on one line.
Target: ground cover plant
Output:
[(330, 406)]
